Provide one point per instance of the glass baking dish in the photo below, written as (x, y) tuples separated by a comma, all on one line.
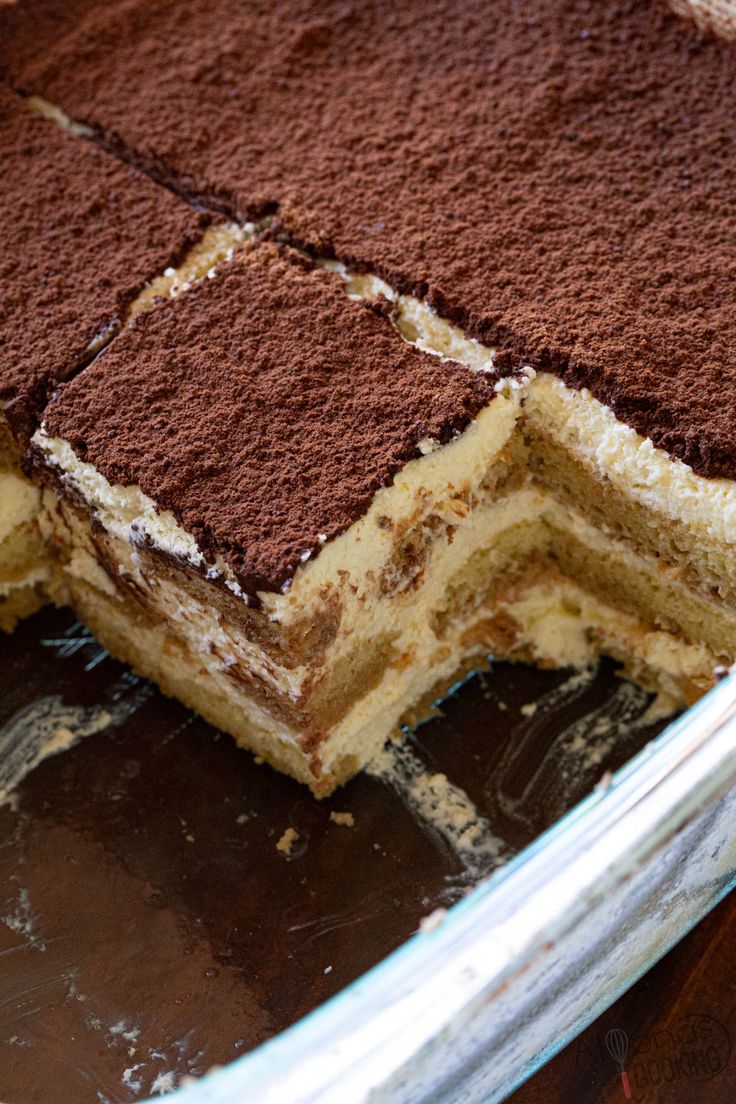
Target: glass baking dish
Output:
[(469, 1009), (152, 925)]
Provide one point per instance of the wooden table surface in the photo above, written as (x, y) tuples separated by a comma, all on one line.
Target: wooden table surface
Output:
[(677, 1026)]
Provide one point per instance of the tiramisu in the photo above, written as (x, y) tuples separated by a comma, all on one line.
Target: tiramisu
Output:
[(305, 523), (87, 241), (269, 501)]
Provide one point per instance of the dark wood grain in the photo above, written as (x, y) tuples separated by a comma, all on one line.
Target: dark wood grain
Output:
[(680, 1026)]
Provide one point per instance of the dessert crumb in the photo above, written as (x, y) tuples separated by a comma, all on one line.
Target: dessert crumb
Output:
[(346, 819), (287, 841), (433, 921), (604, 781)]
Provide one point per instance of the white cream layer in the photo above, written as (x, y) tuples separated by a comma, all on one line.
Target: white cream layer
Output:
[(573, 418), (630, 462), (128, 513), (416, 321)]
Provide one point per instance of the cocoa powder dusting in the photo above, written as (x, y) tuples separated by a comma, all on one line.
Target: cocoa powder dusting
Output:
[(556, 176), (265, 409), (82, 234)]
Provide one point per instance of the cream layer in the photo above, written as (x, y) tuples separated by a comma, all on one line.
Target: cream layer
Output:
[(560, 624), (218, 243), (416, 321), (631, 463), (23, 562), (576, 420), (440, 506), (438, 475), (669, 640)]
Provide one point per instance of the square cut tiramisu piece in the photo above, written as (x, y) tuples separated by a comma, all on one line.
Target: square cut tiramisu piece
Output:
[(87, 240), (306, 528), (274, 506)]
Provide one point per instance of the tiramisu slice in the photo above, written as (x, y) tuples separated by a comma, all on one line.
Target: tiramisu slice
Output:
[(269, 502), (83, 236), (640, 531)]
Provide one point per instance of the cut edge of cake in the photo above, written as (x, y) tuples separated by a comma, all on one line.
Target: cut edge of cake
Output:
[(545, 551)]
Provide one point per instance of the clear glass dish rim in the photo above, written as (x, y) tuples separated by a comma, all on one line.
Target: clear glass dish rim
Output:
[(697, 751)]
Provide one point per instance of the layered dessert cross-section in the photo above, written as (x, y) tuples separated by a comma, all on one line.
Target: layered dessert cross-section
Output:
[(268, 501), (87, 242), (306, 528), (306, 516), (634, 551)]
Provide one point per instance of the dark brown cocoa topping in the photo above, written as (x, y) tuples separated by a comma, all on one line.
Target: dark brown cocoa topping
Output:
[(82, 234), (556, 176), (265, 409)]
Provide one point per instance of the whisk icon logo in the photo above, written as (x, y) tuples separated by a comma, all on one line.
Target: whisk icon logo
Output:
[(617, 1045)]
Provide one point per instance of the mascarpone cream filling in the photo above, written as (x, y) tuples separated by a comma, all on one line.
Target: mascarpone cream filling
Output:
[(416, 321), (126, 512), (576, 420), (647, 474)]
